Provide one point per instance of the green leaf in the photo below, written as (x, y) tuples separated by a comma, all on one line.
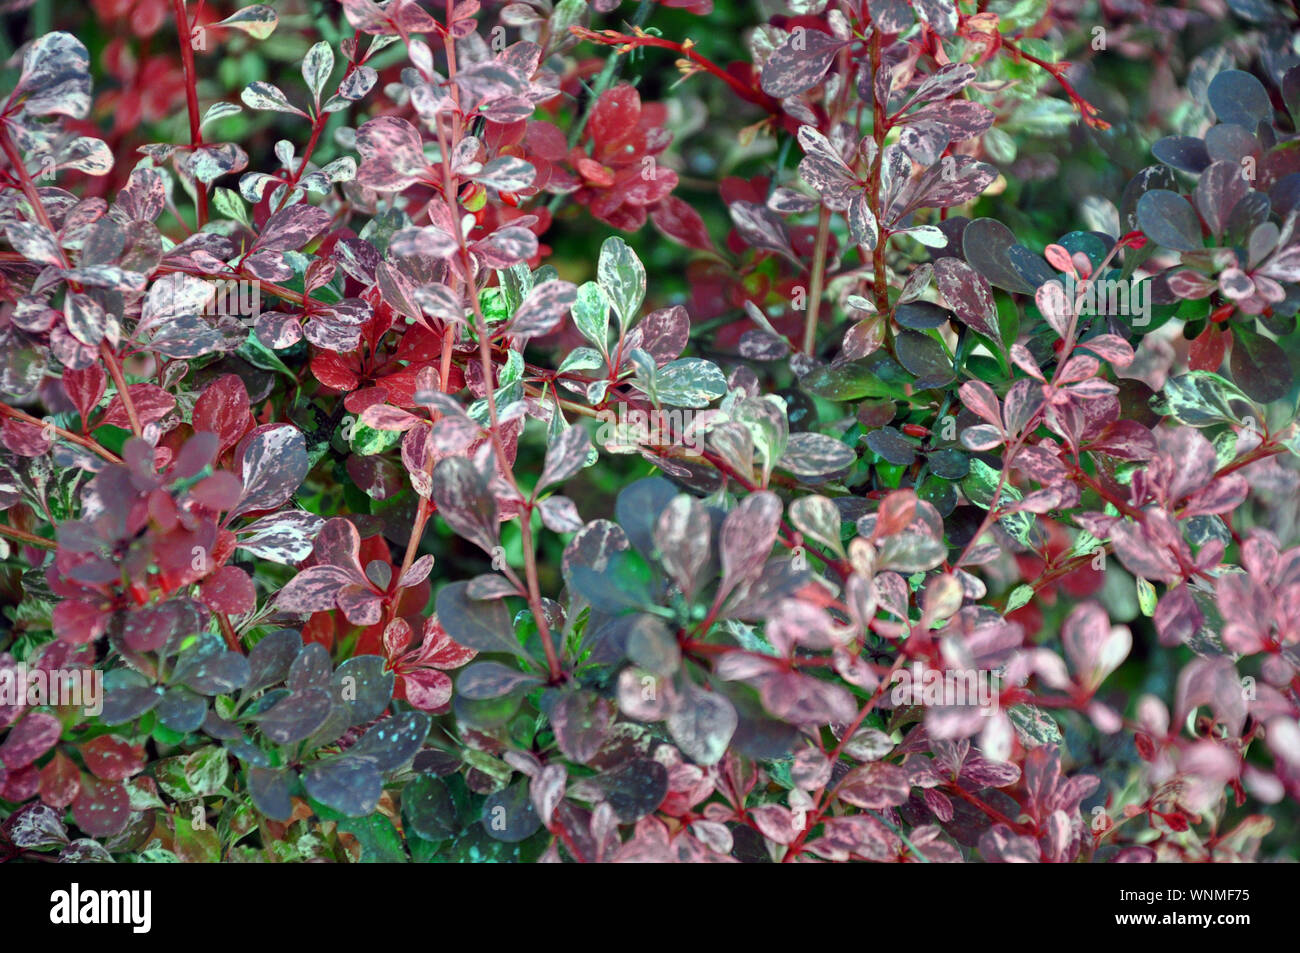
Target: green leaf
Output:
[(475, 846), (196, 844), (981, 485), (1020, 596), (1199, 399), (1034, 726), (492, 302), (219, 110), (591, 315), (581, 359), (230, 205), (515, 283), (877, 375), (368, 442), (689, 382), (1146, 594), (380, 842), (258, 21), (316, 68), (429, 809), (269, 97), (622, 277), (513, 372)]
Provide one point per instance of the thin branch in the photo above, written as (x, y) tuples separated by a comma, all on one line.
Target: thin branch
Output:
[(191, 102), (818, 277), (68, 435), (119, 380), (27, 539)]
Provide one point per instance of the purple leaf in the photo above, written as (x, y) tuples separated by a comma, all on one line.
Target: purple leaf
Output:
[(804, 700), (945, 81), (292, 228), (349, 785), (941, 15), (486, 680), (544, 308), (560, 514), (55, 77), (824, 170), (392, 156), (662, 334), (1239, 98), (682, 535), (274, 466), (565, 458), (483, 625), (1218, 191), (270, 791), (747, 536), (29, 739), (1168, 220), (102, 808), (1002, 845), (465, 502), (702, 724), (810, 454), (875, 785), (800, 63), (1177, 617), (284, 538), (506, 246), (295, 717), (1211, 681), (762, 228), (506, 174), (427, 242), (1094, 647), (35, 242), (968, 295), (581, 721), (315, 589)]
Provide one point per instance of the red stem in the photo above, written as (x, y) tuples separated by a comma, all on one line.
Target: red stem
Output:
[(989, 810), (191, 102), (119, 381), (628, 43), (26, 538), (1086, 109), (228, 633), (68, 435), (879, 128), (318, 124)]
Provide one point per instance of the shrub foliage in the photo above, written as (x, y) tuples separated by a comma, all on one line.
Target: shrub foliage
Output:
[(518, 432)]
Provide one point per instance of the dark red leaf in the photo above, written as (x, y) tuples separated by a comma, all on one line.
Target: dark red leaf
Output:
[(228, 590), (112, 759), (223, 409)]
